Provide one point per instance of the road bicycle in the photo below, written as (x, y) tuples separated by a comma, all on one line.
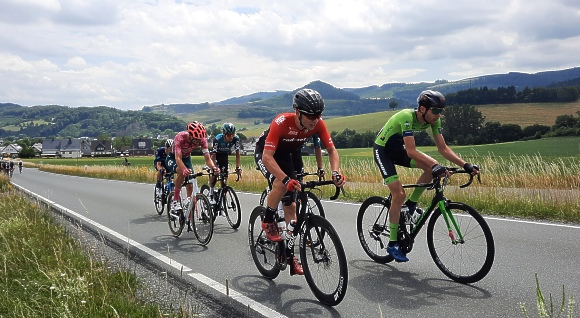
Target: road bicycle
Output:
[(459, 240), (166, 187), (321, 252), (226, 200), (314, 204), (195, 212)]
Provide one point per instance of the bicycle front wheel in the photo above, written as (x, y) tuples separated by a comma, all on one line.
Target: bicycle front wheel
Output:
[(314, 204), (372, 227), (263, 250), (158, 201), (200, 216), (176, 222), (324, 261), (466, 261), (263, 198), (232, 208)]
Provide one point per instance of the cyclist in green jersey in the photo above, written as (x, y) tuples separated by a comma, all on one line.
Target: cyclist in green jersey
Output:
[(395, 145)]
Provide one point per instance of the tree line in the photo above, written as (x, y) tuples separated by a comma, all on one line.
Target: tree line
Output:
[(465, 125), (509, 95)]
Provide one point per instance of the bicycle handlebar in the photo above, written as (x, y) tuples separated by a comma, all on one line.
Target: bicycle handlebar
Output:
[(458, 171), (313, 184), (222, 173)]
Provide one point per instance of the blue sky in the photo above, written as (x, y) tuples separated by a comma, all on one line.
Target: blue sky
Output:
[(132, 53)]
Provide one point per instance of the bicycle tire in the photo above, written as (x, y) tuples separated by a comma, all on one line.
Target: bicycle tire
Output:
[(324, 261), (372, 227), (200, 217), (175, 222), (263, 250), (263, 197), (159, 206), (466, 262), (316, 208), (231, 207)]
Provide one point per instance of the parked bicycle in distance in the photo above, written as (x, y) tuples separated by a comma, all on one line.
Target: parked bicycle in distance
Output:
[(459, 240), (226, 200), (321, 251), (195, 212)]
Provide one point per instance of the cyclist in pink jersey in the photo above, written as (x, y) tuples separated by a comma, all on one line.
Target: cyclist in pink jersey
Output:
[(179, 159)]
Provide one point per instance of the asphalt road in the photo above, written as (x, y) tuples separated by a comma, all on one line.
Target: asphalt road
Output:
[(125, 211)]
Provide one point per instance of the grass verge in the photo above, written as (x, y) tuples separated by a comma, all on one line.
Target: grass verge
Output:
[(46, 273)]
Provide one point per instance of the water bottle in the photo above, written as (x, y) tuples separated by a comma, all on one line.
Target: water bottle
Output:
[(405, 214), (281, 221), (416, 215), (291, 226)]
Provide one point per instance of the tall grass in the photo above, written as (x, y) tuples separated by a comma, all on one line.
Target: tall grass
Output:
[(523, 186), (46, 273)]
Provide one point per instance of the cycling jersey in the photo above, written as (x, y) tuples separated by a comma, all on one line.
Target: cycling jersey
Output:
[(221, 146), (183, 146), (403, 124), (287, 140), (389, 148), (284, 137), (160, 156), (316, 141)]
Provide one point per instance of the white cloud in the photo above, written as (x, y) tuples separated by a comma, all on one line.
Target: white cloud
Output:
[(128, 53)]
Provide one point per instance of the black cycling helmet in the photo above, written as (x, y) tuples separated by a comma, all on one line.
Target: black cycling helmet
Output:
[(228, 128), (169, 143), (430, 99), (308, 101)]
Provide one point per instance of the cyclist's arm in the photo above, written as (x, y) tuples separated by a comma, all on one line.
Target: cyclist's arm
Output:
[(447, 152), (238, 159), (333, 158), (318, 155), (208, 158), (158, 164), (420, 158)]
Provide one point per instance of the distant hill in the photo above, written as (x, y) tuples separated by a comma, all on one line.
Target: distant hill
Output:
[(259, 107)]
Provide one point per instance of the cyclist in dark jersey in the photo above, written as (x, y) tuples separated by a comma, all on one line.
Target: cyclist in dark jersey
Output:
[(222, 146), (395, 145), (276, 151), (159, 163)]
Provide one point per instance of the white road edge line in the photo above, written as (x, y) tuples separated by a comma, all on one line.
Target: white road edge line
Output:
[(237, 296), (198, 276)]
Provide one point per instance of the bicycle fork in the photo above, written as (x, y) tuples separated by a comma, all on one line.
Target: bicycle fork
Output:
[(451, 221)]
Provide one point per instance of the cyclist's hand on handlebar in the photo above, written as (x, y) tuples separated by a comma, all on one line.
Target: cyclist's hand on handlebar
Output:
[(216, 170), (185, 172), (339, 179), (473, 169), (320, 173), (291, 184), (239, 171), (438, 170)]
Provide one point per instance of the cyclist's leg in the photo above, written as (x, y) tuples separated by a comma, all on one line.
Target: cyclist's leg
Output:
[(268, 225), (388, 171), (425, 177), (171, 165), (187, 163)]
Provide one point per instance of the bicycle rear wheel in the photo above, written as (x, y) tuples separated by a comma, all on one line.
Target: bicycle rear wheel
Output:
[(158, 201), (263, 250), (324, 261), (372, 227), (465, 262), (176, 222), (200, 216), (232, 208)]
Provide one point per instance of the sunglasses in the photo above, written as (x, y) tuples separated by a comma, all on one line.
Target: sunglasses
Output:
[(437, 111), (230, 135), (312, 117)]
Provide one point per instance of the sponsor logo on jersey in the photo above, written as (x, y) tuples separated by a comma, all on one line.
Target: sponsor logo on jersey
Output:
[(280, 120), (293, 132)]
